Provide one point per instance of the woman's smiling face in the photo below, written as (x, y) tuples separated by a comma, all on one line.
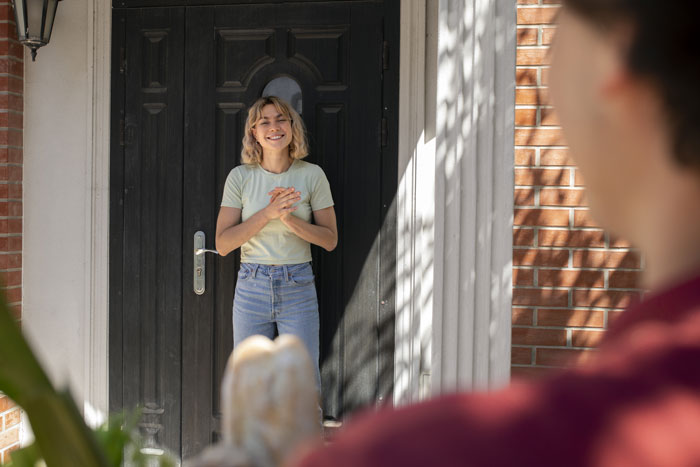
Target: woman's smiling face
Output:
[(273, 130)]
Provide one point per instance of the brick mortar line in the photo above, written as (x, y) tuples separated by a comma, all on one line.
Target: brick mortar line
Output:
[(538, 127), (535, 106), (571, 308), (10, 75), (11, 409), (578, 289), (580, 208), (553, 187), (557, 228), (553, 167), (567, 308), (558, 187), (575, 268), (559, 328), (536, 26), (543, 367), (528, 267), (571, 268), (534, 146), (575, 287), (572, 249), (621, 249), (558, 347), (9, 447)]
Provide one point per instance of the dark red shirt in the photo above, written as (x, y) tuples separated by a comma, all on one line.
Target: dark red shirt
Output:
[(635, 403)]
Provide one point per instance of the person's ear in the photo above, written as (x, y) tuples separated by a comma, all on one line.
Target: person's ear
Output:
[(615, 81), (617, 77)]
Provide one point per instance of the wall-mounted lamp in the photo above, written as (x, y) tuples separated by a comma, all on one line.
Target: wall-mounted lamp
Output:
[(34, 22)]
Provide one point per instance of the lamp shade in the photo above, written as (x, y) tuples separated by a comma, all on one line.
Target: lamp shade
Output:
[(34, 22)]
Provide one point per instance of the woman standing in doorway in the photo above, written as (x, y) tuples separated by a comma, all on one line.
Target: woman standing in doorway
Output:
[(268, 206)]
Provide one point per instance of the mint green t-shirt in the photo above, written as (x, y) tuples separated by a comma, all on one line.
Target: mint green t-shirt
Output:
[(247, 188)]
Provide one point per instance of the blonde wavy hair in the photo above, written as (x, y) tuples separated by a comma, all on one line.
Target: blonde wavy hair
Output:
[(252, 151)]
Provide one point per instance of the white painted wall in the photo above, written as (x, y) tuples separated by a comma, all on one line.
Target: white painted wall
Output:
[(55, 156), (65, 155)]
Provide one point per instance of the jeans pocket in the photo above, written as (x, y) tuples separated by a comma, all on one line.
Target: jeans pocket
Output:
[(302, 276), (244, 272)]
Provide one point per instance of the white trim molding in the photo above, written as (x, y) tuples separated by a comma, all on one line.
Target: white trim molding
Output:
[(415, 206), (96, 372), (473, 194), (455, 196)]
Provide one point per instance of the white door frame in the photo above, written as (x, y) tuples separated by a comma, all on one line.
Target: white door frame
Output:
[(97, 211)]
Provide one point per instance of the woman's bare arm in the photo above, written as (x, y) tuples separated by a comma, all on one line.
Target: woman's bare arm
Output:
[(323, 232)]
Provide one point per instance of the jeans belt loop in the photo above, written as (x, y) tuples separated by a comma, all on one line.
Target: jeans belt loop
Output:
[(286, 273), (255, 269)]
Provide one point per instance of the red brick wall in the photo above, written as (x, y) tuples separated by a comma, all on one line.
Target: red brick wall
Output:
[(11, 107), (570, 278)]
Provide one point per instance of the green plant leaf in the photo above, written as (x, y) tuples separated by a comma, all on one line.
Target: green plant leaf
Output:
[(62, 437), (27, 456), (116, 434)]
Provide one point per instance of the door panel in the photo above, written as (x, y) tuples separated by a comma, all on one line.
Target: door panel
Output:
[(149, 325)]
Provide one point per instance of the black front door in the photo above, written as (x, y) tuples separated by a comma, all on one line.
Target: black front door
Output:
[(183, 80)]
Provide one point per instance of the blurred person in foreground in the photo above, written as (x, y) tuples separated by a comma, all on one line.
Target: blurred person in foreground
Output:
[(626, 85)]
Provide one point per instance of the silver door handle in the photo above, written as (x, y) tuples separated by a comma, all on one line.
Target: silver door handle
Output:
[(199, 263), (201, 251)]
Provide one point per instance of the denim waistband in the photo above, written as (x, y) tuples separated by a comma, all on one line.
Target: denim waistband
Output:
[(268, 270)]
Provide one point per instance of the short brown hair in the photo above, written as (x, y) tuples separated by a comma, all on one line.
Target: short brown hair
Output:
[(665, 49)]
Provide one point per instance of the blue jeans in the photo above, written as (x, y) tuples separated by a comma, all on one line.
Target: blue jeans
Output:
[(282, 296)]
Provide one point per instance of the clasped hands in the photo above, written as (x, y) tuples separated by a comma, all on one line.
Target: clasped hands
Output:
[(282, 202)]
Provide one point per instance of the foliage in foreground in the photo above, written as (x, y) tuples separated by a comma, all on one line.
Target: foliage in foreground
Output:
[(62, 438)]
